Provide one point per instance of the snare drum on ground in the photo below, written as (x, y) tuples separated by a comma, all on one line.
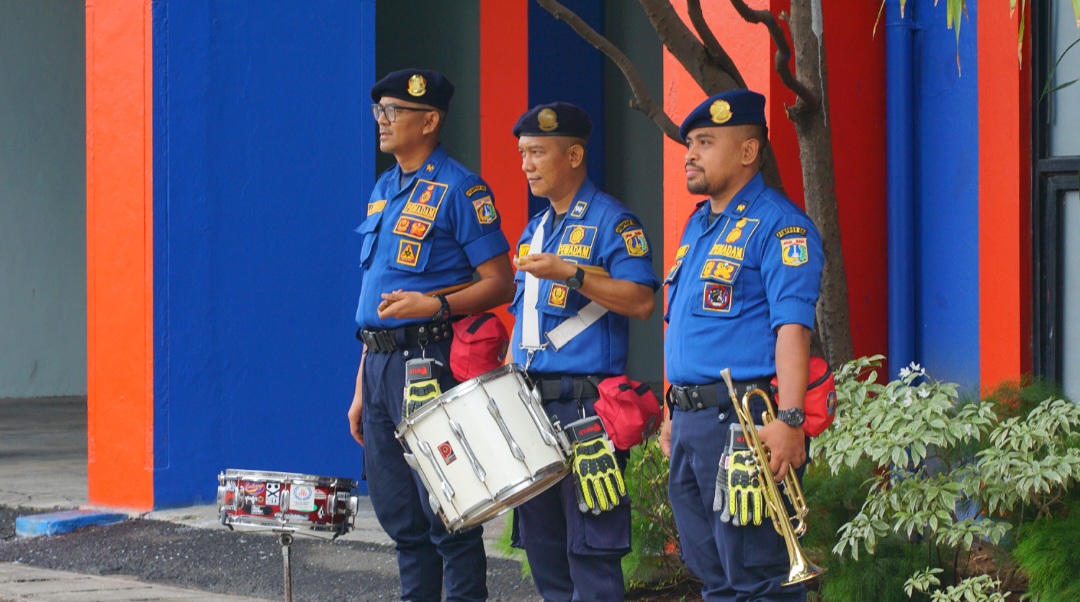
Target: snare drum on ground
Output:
[(287, 502), (483, 447)]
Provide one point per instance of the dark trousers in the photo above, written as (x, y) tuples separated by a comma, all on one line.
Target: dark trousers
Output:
[(737, 564), (574, 557), (428, 556)]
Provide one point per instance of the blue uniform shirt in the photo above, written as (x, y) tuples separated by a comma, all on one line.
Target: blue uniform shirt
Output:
[(734, 283), (597, 230), (424, 234)]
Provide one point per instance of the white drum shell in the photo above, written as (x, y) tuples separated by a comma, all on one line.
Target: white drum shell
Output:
[(468, 460)]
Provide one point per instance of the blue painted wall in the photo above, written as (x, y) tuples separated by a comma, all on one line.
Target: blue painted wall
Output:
[(563, 67), (262, 161), (947, 188)]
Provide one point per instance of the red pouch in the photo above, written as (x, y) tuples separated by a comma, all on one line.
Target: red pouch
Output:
[(819, 405), (629, 410), (479, 346)]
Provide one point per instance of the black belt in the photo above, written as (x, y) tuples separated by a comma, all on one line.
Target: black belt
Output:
[(550, 386), (700, 397), (413, 335)]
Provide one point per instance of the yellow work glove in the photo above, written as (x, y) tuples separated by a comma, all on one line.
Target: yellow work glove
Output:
[(746, 503), (600, 484), (421, 384)]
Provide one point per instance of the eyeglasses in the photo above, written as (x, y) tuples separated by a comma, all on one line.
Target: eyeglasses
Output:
[(391, 111)]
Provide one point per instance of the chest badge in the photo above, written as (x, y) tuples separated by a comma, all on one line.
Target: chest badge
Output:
[(716, 297)]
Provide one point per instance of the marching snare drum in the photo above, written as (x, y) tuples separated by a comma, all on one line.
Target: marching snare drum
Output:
[(483, 447), (285, 501)]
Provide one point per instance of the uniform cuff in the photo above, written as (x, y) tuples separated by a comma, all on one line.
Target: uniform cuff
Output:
[(792, 312), (486, 247)]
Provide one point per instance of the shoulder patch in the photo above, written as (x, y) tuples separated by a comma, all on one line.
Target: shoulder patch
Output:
[(376, 206), (626, 224), (794, 251), (485, 210), (636, 243), (476, 189), (791, 230)]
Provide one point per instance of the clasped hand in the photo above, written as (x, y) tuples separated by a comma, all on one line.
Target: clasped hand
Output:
[(403, 305)]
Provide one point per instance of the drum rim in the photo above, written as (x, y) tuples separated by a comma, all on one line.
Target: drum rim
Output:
[(460, 390), (291, 477), (544, 479)]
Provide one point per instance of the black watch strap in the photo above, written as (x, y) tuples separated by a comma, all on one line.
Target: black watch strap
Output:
[(574, 282), (444, 309)]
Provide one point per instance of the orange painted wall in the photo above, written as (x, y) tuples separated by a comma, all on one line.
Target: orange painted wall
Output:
[(1004, 198), (504, 96), (119, 267)]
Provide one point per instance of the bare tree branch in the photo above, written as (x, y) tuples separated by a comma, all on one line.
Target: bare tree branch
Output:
[(642, 100), (688, 50), (712, 45), (783, 51)]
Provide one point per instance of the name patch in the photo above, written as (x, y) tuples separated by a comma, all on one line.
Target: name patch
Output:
[(425, 199), (577, 241), (376, 206)]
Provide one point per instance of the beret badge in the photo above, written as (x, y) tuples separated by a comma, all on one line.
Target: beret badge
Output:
[(547, 120), (720, 111), (417, 85)]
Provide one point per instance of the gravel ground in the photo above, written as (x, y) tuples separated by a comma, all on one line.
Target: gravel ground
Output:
[(222, 561)]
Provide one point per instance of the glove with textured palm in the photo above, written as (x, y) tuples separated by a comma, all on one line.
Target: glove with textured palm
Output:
[(600, 484), (421, 384), (746, 503)]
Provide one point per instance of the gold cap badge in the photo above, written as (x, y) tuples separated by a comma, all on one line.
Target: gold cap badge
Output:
[(417, 85), (548, 120), (720, 111)]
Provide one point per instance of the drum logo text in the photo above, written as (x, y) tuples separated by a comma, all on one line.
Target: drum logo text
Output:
[(447, 452)]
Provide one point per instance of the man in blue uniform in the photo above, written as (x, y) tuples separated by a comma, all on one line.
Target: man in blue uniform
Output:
[(571, 330), (430, 224), (741, 295)]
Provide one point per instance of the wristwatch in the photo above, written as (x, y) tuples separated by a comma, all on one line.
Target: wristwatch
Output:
[(793, 417), (574, 282), (444, 309)]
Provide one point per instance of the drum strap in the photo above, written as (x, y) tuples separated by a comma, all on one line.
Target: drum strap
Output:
[(530, 319)]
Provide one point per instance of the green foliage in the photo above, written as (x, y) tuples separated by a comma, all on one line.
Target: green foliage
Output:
[(944, 473), (1049, 554), (654, 560), (879, 577)]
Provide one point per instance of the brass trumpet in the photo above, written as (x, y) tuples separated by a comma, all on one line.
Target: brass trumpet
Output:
[(790, 527)]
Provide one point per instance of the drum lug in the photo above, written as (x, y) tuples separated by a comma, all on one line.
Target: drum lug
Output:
[(477, 468), (515, 449), (447, 490), (545, 429)]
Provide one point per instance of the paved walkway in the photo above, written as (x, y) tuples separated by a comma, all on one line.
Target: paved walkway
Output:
[(43, 465)]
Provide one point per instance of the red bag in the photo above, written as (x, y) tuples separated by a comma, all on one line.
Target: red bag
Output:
[(629, 410), (479, 346), (819, 405)]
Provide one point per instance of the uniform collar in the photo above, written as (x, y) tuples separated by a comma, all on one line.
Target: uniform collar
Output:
[(582, 200), (742, 201), (427, 171)]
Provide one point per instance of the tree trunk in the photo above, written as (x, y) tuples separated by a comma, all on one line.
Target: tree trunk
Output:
[(815, 152)]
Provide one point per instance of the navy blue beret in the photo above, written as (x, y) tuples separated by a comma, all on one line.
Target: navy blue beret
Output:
[(554, 119), (430, 88), (734, 107)]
